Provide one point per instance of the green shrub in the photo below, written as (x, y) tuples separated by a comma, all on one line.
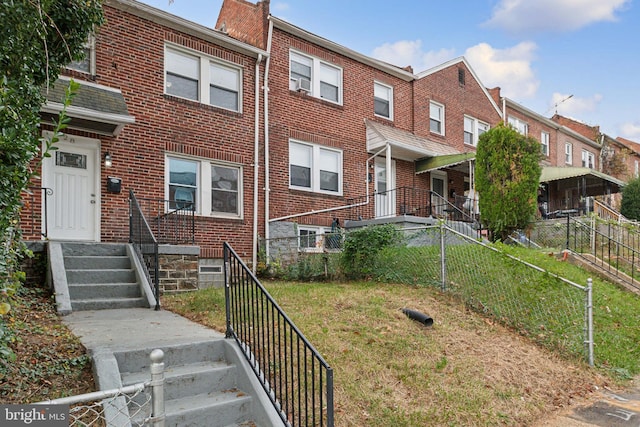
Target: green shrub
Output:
[(362, 246)]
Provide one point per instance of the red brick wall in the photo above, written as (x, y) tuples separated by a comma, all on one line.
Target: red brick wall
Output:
[(130, 56), (245, 21), (300, 116), (459, 100)]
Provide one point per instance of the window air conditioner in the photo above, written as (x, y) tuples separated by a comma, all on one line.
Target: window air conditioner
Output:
[(303, 85)]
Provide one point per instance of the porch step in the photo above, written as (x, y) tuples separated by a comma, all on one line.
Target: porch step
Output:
[(100, 276), (84, 291), (107, 303), (200, 389), (121, 262)]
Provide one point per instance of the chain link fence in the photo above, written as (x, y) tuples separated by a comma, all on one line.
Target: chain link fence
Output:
[(550, 310), (140, 404)]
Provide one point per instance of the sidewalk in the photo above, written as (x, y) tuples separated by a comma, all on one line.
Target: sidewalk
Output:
[(609, 410)]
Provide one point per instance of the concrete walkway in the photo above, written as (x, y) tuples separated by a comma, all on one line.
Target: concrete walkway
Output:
[(134, 329), (608, 410)]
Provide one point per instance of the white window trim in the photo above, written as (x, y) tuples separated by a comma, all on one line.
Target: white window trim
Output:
[(204, 76), (315, 169), (390, 88), (475, 134), (544, 142), (568, 153), (320, 232), (315, 76), (91, 44), (516, 123), (442, 124), (586, 156), (203, 204)]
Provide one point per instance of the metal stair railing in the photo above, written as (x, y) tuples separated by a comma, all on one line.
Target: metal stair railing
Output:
[(294, 375), (145, 244)]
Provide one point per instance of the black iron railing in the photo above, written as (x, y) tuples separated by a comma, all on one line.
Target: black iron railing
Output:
[(36, 222), (416, 202), (172, 222), (294, 375), (612, 247), (145, 244)]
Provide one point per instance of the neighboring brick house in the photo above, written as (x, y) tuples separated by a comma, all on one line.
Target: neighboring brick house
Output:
[(571, 157), (185, 128), (628, 162), (345, 131)]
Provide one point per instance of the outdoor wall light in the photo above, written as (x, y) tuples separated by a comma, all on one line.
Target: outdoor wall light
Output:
[(107, 160)]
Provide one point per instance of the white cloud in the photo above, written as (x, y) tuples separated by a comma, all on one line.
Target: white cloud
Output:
[(569, 105), (527, 16), (630, 131), (409, 52), (508, 68)]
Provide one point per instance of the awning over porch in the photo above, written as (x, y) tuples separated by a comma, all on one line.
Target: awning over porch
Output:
[(95, 108), (592, 178), (444, 161), (404, 145)]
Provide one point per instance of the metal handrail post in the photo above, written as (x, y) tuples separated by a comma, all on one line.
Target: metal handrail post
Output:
[(157, 388)]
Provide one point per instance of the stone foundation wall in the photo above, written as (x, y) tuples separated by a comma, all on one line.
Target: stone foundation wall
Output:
[(178, 273)]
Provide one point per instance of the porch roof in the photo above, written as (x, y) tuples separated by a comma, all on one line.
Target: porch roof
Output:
[(556, 173), (404, 145), (95, 108), (444, 161)]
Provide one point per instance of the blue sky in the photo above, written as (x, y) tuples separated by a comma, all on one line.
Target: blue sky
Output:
[(540, 52)]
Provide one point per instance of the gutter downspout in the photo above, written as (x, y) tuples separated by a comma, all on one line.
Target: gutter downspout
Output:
[(267, 189), (366, 202), (256, 165)]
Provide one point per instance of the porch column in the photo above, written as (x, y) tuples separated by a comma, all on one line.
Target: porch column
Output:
[(390, 200)]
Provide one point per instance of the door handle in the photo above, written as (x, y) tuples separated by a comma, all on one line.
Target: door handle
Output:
[(93, 202)]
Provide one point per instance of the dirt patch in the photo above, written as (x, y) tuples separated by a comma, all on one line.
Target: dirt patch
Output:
[(50, 361)]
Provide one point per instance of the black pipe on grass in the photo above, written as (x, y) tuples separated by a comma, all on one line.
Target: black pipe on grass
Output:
[(425, 319)]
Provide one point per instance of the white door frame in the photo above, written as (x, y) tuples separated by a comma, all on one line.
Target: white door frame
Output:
[(385, 203), (441, 175), (68, 142)]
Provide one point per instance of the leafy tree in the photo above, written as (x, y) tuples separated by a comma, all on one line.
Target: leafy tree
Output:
[(630, 205), (39, 37), (507, 179)]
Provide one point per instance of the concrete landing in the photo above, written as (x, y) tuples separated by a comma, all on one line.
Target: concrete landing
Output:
[(135, 328)]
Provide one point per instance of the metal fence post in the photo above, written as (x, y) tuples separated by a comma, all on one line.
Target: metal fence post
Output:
[(443, 258), (589, 319), (568, 226), (157, 388)]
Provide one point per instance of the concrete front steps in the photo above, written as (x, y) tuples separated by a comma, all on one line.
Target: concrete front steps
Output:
[(205, 385), (96, 276)]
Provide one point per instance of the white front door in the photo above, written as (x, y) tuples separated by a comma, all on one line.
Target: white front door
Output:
[(439, 186), (385, 193), (72, 173)]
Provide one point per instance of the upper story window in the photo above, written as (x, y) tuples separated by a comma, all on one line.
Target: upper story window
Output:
[(436, 118), (316, 77), (518, 125), (315, 168), (209, 188), (473, 128), (383, 100), (588, 159), (544, 143), (194, 76), (568, 153), (88, 63)]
